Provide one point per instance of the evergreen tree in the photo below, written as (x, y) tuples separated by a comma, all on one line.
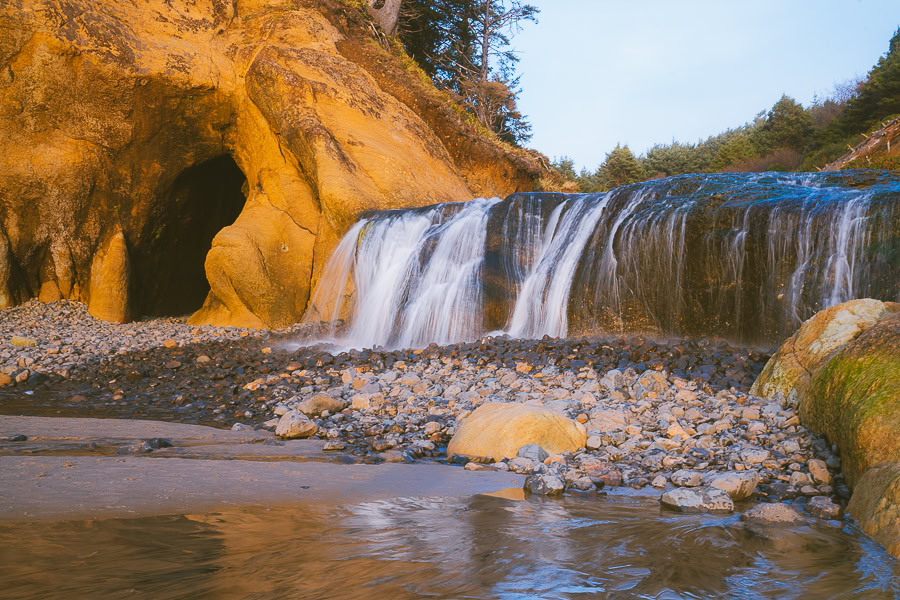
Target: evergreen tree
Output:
[(879, 95), (464, 45)]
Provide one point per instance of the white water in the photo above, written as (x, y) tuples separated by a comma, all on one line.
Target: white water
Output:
[(621, 261), (415, 275), (542, 304)]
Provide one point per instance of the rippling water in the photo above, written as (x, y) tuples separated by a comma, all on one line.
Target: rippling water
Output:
[(480, 547)]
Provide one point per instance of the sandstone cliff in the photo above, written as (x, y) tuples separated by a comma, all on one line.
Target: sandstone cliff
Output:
[(156, 156)]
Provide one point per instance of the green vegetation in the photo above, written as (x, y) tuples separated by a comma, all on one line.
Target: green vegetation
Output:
[(464, 47), (787, 137)]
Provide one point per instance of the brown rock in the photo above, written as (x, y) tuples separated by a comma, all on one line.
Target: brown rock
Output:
[(5, 379), (499, 430), (321, 402), (876, 505)]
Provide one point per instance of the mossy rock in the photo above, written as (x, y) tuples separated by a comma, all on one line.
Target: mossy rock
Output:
[(876, 505), (854, 399), (800, 357)]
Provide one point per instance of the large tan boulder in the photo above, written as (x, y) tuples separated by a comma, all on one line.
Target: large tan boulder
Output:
[(876, 505), (791, 367), (497, 431), (260, 124)]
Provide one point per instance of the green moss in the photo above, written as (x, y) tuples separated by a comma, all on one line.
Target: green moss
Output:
[(853, 400)]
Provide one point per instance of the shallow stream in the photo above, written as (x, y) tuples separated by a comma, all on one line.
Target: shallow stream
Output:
[(618, 547)]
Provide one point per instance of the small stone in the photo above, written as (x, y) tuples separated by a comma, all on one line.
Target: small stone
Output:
[(241, 427), (333, 446), (687, 478), (595, 442), (172, 364), (772, 514), (521, 465), (697, 500), (822, 507), (799, 479), (203, 359), (431, 428), (533, 452), (676, 429), (738, 485), (544, 484), (659, 481), (754, 455), (819, 471), (170, 343), (474, 466), (294, 424), (5, 379), (22, 377), (320, 403), (17, 438), (22, 342)]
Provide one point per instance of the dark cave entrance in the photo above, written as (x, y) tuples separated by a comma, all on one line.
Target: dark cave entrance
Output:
[(204, 199)]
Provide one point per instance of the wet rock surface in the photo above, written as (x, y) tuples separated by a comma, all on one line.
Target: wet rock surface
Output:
[(661, 413)]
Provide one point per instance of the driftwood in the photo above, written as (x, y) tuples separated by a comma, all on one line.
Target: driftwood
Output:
[(888, 132), (387, 14)]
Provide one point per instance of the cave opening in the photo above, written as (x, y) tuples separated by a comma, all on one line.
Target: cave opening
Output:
[(204, 199)]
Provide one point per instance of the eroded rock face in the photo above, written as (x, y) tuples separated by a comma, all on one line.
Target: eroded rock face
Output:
[(123, 119), (876, 505), (499, 430)]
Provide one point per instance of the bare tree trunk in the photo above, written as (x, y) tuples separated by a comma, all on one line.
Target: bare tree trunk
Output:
[(387, 16), (486, 41)]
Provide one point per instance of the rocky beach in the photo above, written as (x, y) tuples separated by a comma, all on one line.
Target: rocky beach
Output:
[(675, 417)]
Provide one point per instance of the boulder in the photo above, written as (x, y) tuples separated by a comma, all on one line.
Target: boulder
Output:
[(876, 505), (773, 514), (823, 507), (790, 369), (499, 430), (313, 407), (294, 424), (544, 484), (737, 484), (854, 399), (697, 500), (686, 478)]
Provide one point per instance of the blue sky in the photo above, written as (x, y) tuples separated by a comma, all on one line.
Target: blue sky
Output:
[(600, 72)]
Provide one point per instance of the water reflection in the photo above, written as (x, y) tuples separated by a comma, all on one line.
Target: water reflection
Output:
[(481, 547)]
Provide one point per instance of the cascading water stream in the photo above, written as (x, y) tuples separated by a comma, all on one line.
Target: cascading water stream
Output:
[(541, 307), (746, 257)]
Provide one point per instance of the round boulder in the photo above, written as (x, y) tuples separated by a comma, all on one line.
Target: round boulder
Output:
[(498, 431)]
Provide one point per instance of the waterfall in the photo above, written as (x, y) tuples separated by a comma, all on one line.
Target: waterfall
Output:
[(746, 257), (415, 276), (542, 303)]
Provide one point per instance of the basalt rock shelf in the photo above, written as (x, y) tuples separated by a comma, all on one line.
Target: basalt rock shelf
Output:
[(746, 257)]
